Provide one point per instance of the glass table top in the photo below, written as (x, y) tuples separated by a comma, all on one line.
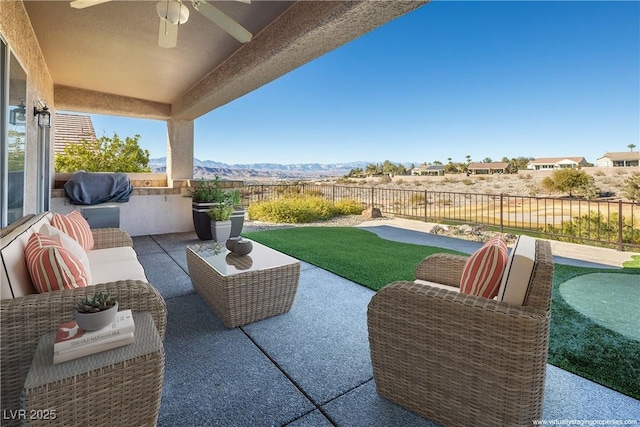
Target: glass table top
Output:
[(226, 263)]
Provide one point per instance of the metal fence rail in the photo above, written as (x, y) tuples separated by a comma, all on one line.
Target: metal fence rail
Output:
[(601, 223)]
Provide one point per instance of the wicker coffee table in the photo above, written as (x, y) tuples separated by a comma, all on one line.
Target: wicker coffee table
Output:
[(243, 289)]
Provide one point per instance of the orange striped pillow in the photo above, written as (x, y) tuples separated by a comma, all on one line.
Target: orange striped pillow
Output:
[(52, 267), (483, 270), (75, 226)]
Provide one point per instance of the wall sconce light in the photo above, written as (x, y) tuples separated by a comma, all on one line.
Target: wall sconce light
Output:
[(17, 116), (44, 115)]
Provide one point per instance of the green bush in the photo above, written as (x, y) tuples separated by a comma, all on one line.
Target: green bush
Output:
[(349, 207), (292, 210), (595, 226)]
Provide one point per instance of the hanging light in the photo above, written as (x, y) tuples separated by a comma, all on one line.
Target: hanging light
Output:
[(44, 115), (172, 11), (17, 116)]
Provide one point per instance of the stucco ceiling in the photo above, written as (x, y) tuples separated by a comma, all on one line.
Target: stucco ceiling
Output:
[(111, 50)]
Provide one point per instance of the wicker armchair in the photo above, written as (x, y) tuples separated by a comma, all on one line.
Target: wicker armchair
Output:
[(24, 320), (458, 359)]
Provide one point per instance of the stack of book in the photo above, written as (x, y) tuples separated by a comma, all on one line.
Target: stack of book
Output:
[(71, 342)]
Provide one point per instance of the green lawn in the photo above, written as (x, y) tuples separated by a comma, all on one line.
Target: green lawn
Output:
[(577, 344)]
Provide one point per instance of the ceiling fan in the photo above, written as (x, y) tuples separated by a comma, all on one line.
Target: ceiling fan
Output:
[(173, 13)]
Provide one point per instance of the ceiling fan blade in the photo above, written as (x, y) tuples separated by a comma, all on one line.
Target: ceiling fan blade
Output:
[(223, 21), (81, 4), (167, 35)]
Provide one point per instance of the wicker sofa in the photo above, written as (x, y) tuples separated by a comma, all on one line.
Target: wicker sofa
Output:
[(25, 318), (459, 359)]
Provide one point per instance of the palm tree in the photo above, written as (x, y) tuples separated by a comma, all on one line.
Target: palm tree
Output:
[(631, 146)]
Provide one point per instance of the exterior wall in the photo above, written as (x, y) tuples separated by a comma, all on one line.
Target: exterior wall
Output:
[(606, 162), (145, 214), (15, 28)]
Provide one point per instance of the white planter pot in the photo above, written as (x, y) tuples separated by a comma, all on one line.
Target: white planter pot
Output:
[(220, 230), (95, 321)]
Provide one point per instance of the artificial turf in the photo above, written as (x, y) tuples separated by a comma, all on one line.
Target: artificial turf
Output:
[(576, 343)]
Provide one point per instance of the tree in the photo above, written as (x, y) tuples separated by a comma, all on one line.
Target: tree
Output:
[(437, 162), (487, 160), (373, 169), (355, 173), (15, 151), (104, 155), (632, 187), (568, 180), (631, 147)]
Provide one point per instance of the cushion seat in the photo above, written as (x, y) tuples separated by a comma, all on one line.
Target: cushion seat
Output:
[(113, 264)]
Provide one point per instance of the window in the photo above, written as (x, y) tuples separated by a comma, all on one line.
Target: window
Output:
[(13, 135)]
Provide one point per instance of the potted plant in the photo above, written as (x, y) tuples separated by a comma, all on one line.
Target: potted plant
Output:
[(205, 195), (97, 311), (220, 222), (237, 217)]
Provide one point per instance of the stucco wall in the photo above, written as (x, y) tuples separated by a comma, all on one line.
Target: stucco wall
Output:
[(16, 30), (144, 214)]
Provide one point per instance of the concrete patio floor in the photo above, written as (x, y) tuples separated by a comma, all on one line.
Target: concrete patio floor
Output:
[(308, 367)]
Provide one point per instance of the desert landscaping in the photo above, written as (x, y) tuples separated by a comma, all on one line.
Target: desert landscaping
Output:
[(610, 181)]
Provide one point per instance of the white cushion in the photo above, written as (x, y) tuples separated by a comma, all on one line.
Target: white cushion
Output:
[(111, 255), (122, 270), (515, 281), (69, 244), (113, 264), (438, 285)]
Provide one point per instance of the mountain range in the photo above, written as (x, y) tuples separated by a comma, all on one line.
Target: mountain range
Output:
[(209, 168)]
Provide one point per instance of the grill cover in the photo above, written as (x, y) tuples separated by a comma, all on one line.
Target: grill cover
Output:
[(91, 188)]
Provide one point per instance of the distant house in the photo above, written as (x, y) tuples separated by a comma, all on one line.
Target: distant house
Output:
[(624, 159), (557, 163), (70, 129), (487, 168), (436, 170)]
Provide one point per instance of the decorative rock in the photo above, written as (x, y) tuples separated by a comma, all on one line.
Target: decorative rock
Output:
[(239, 246), (372, 213)]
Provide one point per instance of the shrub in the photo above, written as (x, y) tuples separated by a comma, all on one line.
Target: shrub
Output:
[(467, 181), (292, 210), (349, 207), (631, 188), (417, 199), (595, 226), (567, 180)]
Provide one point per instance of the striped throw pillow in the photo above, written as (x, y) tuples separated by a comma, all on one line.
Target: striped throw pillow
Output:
[(76, 227), (51, 266), (482, 273)]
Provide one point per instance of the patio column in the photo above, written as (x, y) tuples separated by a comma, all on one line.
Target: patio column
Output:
[(179, 150)]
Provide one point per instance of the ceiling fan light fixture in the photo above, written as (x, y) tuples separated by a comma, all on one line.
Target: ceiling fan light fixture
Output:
[(172, 11)]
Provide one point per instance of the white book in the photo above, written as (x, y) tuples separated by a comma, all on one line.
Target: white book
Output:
[(70, 336), (123, 339)]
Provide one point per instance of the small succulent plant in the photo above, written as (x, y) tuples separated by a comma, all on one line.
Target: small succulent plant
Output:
[(98, 302)]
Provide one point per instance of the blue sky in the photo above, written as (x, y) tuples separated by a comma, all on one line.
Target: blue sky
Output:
[(485, 79)]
